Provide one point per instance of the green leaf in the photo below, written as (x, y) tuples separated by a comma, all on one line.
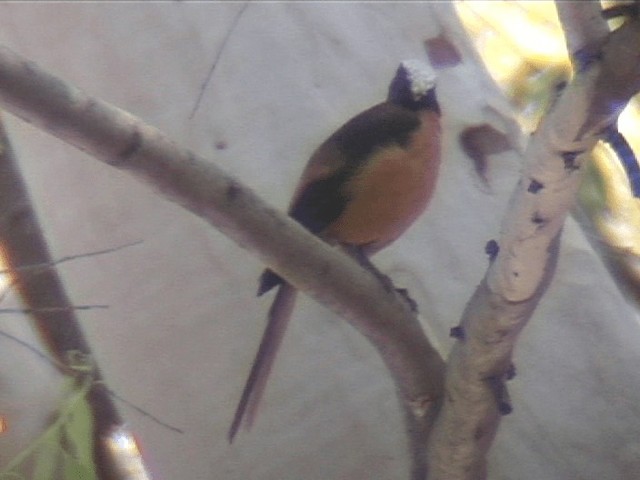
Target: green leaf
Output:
[(77, 434), (74, 470), (31, 450), (72, 429), (11, 476), (78, 431), (47, 458)]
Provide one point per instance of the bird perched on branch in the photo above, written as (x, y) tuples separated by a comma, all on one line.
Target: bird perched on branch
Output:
[(362, 188)]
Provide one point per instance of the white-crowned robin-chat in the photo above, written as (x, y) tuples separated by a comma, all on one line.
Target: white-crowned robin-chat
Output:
[(362, 188)]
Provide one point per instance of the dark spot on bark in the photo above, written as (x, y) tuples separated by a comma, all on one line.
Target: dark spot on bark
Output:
[(221, 145), (501, 394), (570, 159), (132, 147), (404, 293), (233, 190), (535, 186), (492, 249), (511, 372), (585, 57), (538, 219), (505, 408), (457, 332)]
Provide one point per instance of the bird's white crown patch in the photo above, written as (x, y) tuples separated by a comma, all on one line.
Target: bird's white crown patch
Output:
[(421, 77)]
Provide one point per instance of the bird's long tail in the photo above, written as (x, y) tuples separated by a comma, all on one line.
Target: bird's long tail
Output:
[(277, 321)]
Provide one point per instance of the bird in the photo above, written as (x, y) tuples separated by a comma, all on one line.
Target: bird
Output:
[(361, 189)]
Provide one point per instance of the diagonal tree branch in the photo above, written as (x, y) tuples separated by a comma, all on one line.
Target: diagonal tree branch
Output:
[(125, 142), (23, 244), (584, 29), (480, 362)]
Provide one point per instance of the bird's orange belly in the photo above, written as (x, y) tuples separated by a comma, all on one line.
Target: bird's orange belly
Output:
[(390, 192)]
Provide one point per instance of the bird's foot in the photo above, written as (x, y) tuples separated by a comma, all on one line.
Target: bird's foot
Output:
[(363, 260), (385, 280)]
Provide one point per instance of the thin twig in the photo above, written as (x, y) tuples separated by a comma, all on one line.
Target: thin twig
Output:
[(203, 87), (144, 412), (54, 364), (30, 347), (69, 308), (38, 266)]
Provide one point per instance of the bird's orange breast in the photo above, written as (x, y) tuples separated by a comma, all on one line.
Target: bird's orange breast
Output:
[(391, 190)]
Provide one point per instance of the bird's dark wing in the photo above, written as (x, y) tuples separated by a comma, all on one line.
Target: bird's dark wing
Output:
[(317, 206), (321, 195), (382, 125)]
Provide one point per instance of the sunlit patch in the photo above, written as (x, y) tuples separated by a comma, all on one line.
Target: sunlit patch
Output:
[(532, 29), (5, 277), (125, 454), (522, 46), (619, 220), (628, 124)]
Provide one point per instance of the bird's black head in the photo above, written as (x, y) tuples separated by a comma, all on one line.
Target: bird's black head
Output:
[(413, 87)]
